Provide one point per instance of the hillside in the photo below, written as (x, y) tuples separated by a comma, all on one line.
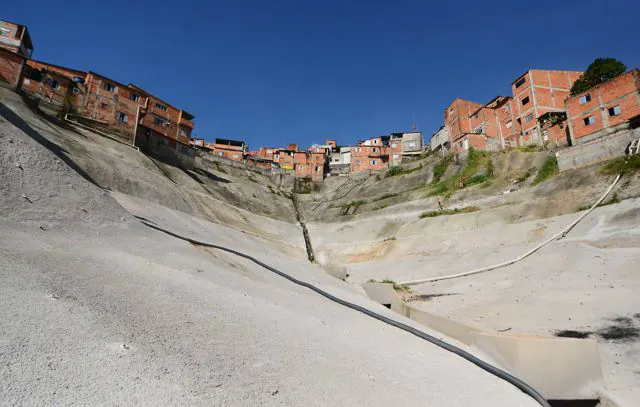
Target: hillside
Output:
[(125, 314)]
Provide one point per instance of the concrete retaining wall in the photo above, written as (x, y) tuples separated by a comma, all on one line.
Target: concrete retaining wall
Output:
[(559, 368), (609, 146)]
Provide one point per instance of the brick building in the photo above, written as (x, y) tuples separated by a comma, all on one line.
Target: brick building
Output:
[(604, 108), (16, 39), (15, 48), (230, 149), (57, 85), (540, 94), (458, 123)]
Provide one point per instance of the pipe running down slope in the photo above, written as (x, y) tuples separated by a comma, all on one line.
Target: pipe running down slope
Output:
[(557, 236), (524, 387)]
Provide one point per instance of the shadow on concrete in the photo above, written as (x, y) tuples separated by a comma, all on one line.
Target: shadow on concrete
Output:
[(211, 176), (61, 153)]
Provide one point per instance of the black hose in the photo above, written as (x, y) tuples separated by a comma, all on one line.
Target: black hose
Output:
[(524, 387)]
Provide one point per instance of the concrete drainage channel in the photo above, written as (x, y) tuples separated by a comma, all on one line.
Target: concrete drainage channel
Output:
[(566, 371), (303, 225)]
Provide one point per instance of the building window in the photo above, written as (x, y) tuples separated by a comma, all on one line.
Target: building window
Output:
[(5, 32), (479, 130), (509, 124), (235, 156), (75, 90), (158, 121), (396, 156), (122, 117), (585, 99), (109, 87), (55, 85), (394, 145), (220, 153), (525, 100), (528, 118), (521, 82), (589, 120), (374, 162), (161, 107), (183, 132), (375, 141), (36, 75), (104, 105), (134, 97), (615, 111), (375, 149)]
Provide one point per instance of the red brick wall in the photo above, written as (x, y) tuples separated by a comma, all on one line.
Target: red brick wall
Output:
[(364, 158), (476, 141), (623, 91), (228, 152), (67, 90), (10, 69), (456, 118)]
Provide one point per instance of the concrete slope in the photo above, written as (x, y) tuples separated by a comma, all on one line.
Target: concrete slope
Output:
[(101, 310)]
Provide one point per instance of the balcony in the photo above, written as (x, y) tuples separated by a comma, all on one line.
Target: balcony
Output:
[(186, 119)]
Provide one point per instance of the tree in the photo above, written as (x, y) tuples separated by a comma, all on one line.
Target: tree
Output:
[(601, 70)]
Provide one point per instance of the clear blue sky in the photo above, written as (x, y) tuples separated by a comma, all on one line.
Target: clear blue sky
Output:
[(273, 72)]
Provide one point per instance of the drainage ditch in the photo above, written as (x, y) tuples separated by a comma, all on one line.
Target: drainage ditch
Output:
[(305, 232)]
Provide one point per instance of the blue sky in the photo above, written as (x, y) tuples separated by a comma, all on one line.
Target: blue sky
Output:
[(274, 72)]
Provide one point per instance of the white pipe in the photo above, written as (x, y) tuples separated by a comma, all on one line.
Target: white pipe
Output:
[(557, 236)]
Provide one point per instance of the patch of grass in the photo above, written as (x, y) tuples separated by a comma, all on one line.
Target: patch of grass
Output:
[(441, 167), (385, 196), (548, 170), (531, 148), (477, 179), (622, 165), (353, 204), (395, 171), (396, 286), (475, 161), (433, 214)]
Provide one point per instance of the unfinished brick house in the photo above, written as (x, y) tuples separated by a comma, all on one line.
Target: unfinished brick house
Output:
[(15, 48), (371, 155), (539, 96), (230, 149), (605, 108), (457, 121), (62, 88)]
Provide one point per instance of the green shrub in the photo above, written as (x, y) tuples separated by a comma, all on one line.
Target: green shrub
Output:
[(530, 148), (393, 171)]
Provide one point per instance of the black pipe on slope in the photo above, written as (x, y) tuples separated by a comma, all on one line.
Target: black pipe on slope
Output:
[(524, 387)]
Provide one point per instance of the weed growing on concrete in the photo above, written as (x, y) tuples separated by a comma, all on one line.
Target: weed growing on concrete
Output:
[(396, 286), (353, 204), (441, 168), (433, 214), (531, 148), (385, 196), (475, 161), (548, 170), (394, 171), (622, 165)]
